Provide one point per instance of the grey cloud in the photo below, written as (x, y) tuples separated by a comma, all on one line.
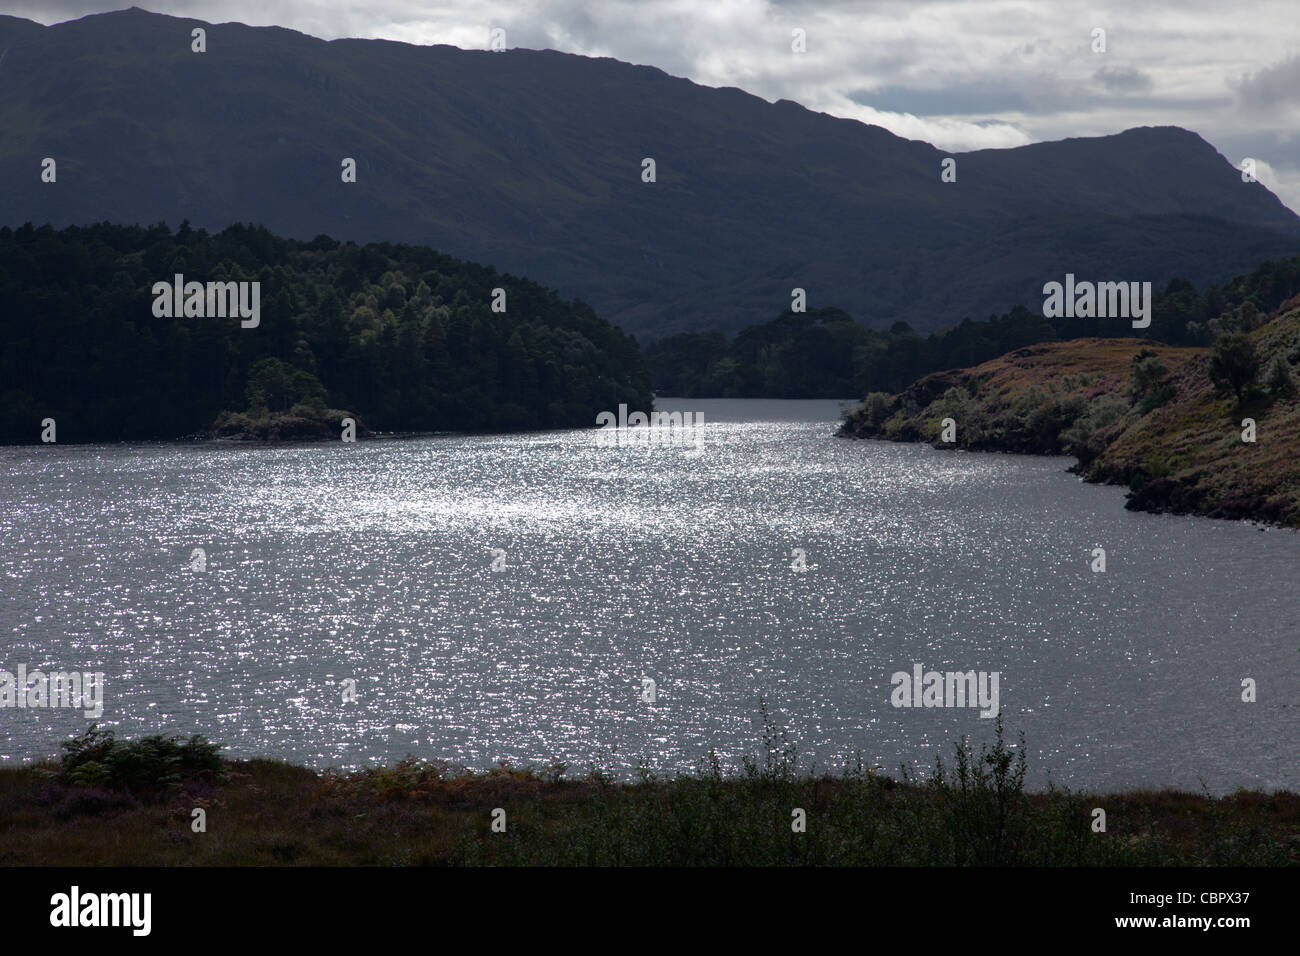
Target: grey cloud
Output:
[(1273, 86), (1123, 79), (949, 101)]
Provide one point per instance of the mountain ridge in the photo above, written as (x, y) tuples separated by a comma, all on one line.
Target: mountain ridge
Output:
[(531, 160)]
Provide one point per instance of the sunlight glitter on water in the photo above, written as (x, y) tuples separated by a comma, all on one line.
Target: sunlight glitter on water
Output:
[(373, 562)]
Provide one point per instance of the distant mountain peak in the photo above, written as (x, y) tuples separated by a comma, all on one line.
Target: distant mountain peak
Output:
[(533, 161)]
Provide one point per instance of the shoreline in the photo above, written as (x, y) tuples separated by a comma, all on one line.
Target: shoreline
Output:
[(1180, 449), (224, 441), (1150, 502), (176, 802)]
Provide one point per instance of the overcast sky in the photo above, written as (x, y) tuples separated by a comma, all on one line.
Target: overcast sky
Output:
[(962, 75)]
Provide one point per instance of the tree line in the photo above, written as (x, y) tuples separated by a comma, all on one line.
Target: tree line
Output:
[(402, 337), (826, 353)]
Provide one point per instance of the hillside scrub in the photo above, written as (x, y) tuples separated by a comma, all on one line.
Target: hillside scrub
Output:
[(1167, 422)]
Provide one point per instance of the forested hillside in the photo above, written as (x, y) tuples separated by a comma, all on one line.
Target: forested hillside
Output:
[(536, 161), (401, 337), (825, 353)]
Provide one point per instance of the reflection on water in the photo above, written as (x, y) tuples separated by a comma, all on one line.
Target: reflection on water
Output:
[(618, 562)]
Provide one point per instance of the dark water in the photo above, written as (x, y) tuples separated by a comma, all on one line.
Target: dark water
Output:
[(668, 561)]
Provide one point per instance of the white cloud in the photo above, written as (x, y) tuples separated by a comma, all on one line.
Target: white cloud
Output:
[(1283, 182)]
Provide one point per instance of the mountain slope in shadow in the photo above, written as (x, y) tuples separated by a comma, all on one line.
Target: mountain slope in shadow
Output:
[(532, 161)]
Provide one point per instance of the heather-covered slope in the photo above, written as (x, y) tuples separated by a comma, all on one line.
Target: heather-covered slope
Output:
[(531, 161), (1167, 431)]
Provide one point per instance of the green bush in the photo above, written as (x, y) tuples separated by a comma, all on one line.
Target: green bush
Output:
[(1102, 411), (1278, 378), (1149, 385), (1233, 363), (984, 809), (877, 408), (150, 764)]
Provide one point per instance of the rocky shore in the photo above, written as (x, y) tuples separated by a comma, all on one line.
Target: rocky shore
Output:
[(1132, 412)]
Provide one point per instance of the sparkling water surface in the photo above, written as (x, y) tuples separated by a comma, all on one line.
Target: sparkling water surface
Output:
[(667, 560)]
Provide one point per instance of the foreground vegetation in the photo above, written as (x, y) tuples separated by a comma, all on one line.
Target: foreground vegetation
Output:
[(1208, 431), (110, 802)]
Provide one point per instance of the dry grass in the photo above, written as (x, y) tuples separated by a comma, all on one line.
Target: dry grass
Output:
[(272, 814), (1185, 456)]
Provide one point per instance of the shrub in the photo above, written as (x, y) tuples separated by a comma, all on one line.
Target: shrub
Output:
[(960, 406), (1102, 411), (984, 807), (1149, 386), (877, 408), (1233, 363), (1278, 378), (150, 764)]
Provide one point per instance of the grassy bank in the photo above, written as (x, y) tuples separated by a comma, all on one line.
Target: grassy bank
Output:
[(115, 803), (1147, 416)]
